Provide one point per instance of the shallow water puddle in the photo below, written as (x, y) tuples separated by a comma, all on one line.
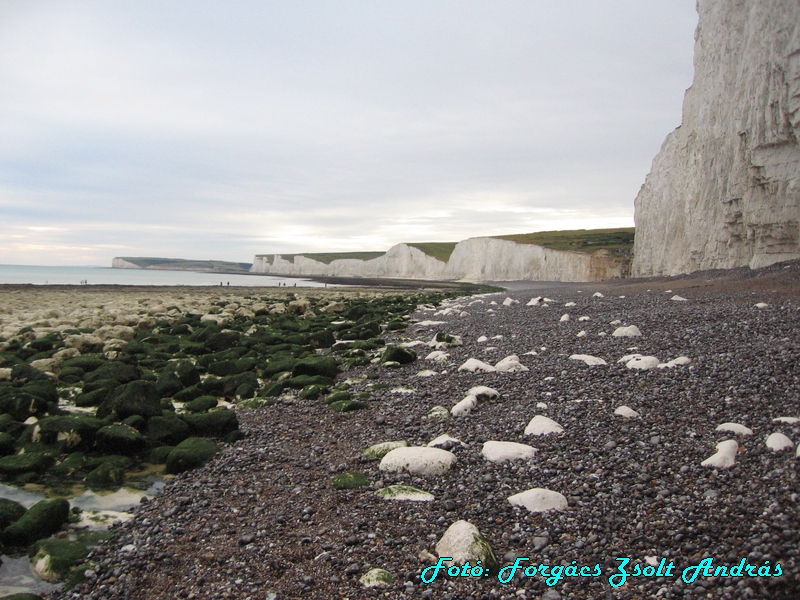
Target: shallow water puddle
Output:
[(17, 577)]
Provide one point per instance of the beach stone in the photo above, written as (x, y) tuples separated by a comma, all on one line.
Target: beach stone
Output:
[(350, 481), (725, 456), (539, 500), (41, 520), (629, 331), (190, 454), (734, 428), (676, 362), (445, 442), (438, 412), (116, 332), (463, 542), (473, 364), (134, 398), (53, 559), (376, 578), (397, 354), (119, 439), (643, 363), (588, 359), (84, 343), (510, 364), (494, 451), (418, 460), (464, 407), (541, 425), (404, 492), (778, 442), (788, 420), (10, 511), (564, 318), (678, 298), (382, 449), (627, 412)]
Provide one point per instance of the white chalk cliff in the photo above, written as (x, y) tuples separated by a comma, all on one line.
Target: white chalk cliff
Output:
[(474, 259), (724, 191)]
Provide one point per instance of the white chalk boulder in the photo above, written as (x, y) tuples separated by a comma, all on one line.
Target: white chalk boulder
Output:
[(629, 331), (483, 393), (736, 428), (539, 500), (725, 456), (643, 363), (588, 359), (405, 492), (778, 442), (510, 364), (541, 425), (627, 412), (675, 362), (382, 449), (473, 364), (502, 451), (463, 542), (464, 407), (418, 460)]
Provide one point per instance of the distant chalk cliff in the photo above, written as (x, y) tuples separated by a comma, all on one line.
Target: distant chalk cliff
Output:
[(474, 259), (724, 191)]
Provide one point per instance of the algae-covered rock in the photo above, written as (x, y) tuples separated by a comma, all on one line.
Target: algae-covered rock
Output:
[(10, 511), (337, 397), (217, 423), (349, 481), (301, 381), (168, 430), (201, 404), (438, 412), (70, 465), (348, 406), (6, 444), (106, 475), (158, 456), (312, 392), (376, 578), (53, 559), (271, 390), (378, 451), (324, 366), (398, 354), (190, 454), (135, 398), (21, 596), (168, 384), (258, 402), (30, 462), (41, 520), (119, 439), (21, 405), (75, 430), (115, 370)]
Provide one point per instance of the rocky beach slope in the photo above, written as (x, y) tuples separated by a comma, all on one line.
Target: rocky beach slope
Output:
[(701, 465)]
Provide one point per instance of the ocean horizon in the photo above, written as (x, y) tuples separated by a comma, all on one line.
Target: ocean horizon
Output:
[(48, 275)]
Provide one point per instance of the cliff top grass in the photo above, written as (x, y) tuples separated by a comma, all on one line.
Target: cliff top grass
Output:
[(578, 240), (182, 264), (438, 250)]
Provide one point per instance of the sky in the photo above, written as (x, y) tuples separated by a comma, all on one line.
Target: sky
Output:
[(221, 130)]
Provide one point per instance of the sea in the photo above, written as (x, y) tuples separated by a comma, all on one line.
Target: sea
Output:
[(38, 275)]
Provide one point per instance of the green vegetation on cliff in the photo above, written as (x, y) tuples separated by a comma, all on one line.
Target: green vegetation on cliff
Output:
[(438, 250), (618, 240)]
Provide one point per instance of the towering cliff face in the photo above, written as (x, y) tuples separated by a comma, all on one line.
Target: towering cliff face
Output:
[(474, 259), (724, 191)]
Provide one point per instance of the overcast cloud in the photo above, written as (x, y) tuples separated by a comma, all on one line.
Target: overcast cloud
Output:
[(225, 129)]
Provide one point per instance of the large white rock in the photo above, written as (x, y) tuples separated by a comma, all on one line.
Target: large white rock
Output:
[(418, 460), (723, 191), (675, 362), (629, 331), (383, 448), (778, 442), (464, 407), (588, 359), (643, 363), (627, 412), (494, 451), (539, 500), (541, 425), (473, 364), (405, 492), (736, 428), (725, 456), (510, 364), (438, 355), (463, 542), (483, 393)]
